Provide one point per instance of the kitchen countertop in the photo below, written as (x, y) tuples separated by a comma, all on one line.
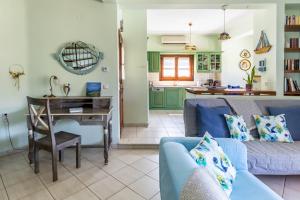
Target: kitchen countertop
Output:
[(242, 92), (174, 86)]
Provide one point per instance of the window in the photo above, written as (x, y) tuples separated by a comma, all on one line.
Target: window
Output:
[(177, 68)]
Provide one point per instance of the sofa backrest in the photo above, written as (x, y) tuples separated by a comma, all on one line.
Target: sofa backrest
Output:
[(189, 113), (189, 116)]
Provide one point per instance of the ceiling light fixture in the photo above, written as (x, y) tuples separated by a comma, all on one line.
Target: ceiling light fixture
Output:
[(224, 35), (190, 46)]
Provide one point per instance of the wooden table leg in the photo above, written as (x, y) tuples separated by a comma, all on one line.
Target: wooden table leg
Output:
[(105, 137)]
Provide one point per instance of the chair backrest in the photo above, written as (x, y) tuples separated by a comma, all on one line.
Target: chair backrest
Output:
[(40, 116)]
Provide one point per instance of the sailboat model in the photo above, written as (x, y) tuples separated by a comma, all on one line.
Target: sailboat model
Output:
[(263, 45)]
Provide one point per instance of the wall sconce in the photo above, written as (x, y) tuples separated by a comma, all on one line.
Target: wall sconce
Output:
[(15, 71)]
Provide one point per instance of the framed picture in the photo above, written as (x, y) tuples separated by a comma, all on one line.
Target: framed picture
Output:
[(262, 67), (245, 53), (245, 64), (93, 89)]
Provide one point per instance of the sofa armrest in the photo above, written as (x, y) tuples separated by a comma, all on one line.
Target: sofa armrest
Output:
[(236, 150), (175, 167)]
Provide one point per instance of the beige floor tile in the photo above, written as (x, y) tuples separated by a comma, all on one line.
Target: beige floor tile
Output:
[(126, 194), (46, 166), (156, 197), (144, 165), (154, 174), (1, 183), (106, 187), (276, 183), (113, 166), (291, 194), (41, 195), (3, 195), (24, 188), (66, 188), (47, 178), (85, 194), (91, 176), (85, 165), (146, 187), (17, 176), (13, 165), (293, 182), (127, 175), (154, 157), (129, 158)]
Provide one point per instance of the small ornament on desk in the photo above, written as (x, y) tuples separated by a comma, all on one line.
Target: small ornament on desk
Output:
[(15, 72), (67, 88)]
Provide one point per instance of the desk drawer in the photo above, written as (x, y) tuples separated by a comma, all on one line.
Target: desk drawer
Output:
[(92, 118)]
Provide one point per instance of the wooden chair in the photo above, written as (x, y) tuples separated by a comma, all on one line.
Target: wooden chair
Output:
[(41, 122)]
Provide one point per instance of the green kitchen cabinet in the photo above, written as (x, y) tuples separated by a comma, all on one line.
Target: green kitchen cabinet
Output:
[(182, 93), (157, 98), (209, 61), (172, 98), (153, 61)]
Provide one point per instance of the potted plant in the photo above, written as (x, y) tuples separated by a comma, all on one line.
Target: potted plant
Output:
[(249, 80)]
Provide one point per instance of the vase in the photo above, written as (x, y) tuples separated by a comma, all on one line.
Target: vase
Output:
[(249, 87), (67, 89)]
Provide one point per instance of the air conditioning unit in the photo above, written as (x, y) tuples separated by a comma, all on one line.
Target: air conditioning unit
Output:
[(174, 39)]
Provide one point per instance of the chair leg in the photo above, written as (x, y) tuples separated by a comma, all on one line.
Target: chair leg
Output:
[(54, 165), (78, 155), (61, 155), (36, 159)]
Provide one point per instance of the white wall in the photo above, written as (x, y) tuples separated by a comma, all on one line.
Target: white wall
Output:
[(136, 99), (231, 73), (266, 20), (55, 22), (13, 50)]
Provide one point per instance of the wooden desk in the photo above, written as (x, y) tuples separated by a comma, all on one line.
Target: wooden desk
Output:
[(96, 111)]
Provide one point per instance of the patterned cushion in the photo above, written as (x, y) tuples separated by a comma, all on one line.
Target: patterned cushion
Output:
[(272, 128), (209, 155), (238, 128)]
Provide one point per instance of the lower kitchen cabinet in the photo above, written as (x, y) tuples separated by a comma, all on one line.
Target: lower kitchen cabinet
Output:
[(167, 98)]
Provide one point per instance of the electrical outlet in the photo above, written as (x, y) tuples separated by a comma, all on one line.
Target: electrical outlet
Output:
[(3, 115)]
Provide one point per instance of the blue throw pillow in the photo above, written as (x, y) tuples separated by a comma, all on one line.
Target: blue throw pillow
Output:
[(292, 116), (212, 120)]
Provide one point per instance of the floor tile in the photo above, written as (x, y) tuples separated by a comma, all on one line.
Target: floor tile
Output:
[(41, 195), (85, 194), (127, 175), (106, 187), (276, 183), (156, 197), (291, 194), (24, 188), (113, 166), (91, 176), (126, 194), (13, 165), (66, 188), (154, 174), (144, 165), (129, 158), (146, 187), (85, 165), (154, 157), (293, 182), (3, 195), (17, 176), (47, 178)]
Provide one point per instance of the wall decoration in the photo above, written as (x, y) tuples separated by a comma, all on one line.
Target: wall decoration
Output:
[(16, 71), (79, 58), (245, 64), (263, 45), (245, 54), (67, 88), (93, 89), (262, 65), (257, 82)]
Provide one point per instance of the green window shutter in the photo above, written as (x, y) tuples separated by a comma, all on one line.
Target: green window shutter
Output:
[(153, 61)]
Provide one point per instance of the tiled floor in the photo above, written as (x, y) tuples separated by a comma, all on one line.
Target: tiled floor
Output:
[(130, 175), (161, 124)]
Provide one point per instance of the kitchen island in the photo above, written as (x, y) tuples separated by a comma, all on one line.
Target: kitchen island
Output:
[(240, 92)]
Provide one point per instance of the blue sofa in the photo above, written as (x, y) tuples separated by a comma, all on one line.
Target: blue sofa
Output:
[(176, 166)]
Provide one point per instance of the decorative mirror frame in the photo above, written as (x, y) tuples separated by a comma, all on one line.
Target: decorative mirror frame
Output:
[(79, 57)]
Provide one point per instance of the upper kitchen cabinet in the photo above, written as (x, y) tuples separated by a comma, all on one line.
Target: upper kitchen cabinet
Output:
[(153, 61), (208, 61)]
